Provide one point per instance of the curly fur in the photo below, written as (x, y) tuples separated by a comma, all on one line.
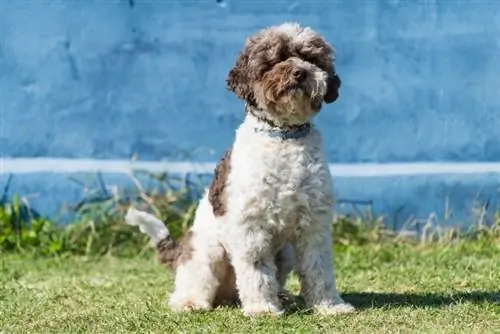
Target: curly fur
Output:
[(276, 194), (267, 69), (216, 192)]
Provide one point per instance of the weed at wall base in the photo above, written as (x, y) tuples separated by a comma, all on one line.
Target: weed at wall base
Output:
[(98, 228)]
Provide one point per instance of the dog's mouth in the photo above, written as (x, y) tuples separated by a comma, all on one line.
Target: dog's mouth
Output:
[(290, 89), (301, 91), (293, 87)]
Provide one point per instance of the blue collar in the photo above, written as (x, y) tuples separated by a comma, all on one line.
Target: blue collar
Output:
[(294, 133)]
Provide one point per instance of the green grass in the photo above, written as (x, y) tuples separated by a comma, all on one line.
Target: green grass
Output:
[(397, 287), (98, 275)]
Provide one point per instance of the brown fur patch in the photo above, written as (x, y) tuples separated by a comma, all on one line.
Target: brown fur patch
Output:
[(217, 192), (172, 253), (227, 293), (167, 251), (238, 80), (270, 47), (276, 81), (185, 249)]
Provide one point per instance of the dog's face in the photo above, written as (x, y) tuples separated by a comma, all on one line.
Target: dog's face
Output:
[(286, 72)]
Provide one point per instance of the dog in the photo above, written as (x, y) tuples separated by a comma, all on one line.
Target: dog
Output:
[(268, 210)]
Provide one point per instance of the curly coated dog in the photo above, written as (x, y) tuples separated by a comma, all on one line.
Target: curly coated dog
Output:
[(268, 210)]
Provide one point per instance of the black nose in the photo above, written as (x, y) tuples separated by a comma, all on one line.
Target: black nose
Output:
[(300, 74)]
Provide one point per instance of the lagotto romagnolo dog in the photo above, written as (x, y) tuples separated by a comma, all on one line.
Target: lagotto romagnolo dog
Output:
[(269, 208)]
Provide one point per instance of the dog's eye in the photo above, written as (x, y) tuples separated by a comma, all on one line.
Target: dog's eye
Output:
[(281, 54)]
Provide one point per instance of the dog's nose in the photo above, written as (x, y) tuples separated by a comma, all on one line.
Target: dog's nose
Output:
[(299, 74)]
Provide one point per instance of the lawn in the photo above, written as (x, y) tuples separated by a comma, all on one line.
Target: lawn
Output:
[(397, 288)]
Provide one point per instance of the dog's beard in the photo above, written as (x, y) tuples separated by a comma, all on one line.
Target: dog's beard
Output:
[(290, 102), (296, 108), (301, 102)]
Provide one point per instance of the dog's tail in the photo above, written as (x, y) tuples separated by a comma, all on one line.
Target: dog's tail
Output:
[(160, 238)]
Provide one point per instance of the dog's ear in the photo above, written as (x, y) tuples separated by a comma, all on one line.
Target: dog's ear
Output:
[(332, 90), (238, 80)]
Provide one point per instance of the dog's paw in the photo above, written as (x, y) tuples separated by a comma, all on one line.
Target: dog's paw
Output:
[(262, 309), (334, 309), (189, 305)]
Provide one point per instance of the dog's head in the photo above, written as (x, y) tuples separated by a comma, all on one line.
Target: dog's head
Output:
[(286, 72)]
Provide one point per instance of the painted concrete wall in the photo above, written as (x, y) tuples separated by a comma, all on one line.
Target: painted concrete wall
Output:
[(111, 79)]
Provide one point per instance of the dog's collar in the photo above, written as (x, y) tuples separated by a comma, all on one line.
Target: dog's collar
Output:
[(293, 133), (275, 131)]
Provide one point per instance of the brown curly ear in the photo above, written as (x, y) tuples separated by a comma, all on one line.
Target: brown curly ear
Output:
[(238, 80), (332, 91)]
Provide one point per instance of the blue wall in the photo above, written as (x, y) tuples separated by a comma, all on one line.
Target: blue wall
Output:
[(110, 79)]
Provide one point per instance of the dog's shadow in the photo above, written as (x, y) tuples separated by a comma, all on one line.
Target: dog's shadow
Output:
[(374, 300), (364, 300)]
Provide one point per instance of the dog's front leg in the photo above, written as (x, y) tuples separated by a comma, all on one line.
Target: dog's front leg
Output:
[(314, 262), (254, 263), (257, 284)]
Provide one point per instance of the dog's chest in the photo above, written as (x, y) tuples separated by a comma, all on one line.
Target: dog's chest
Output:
[(287, 182)]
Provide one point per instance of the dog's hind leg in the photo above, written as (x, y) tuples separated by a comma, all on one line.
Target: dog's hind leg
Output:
[(198, 258), (198, 278), (201, 265)]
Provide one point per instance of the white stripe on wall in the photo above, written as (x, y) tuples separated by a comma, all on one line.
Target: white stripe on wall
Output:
[(38, 165)]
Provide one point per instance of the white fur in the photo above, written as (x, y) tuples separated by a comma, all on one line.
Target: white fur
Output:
[(279, 197), (278, 192), (148, 224), (296, 32)]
